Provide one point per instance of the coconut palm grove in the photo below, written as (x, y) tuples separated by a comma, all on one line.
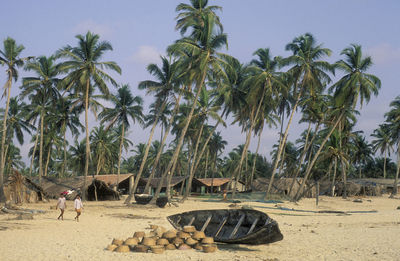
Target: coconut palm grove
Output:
[(75, 113)]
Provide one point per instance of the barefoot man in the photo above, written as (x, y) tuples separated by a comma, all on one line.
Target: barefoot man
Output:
[(61, 204), (78, 207)]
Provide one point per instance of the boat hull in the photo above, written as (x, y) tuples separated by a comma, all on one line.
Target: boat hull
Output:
[(235, 226)]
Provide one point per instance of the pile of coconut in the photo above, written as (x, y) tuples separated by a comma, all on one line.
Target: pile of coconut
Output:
[(159, 239)]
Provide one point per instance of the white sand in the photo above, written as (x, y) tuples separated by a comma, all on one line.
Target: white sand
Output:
[(307, 235)]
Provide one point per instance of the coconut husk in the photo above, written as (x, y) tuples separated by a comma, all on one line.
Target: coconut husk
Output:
[(191, 242), (207, 240), (198, 246), (183, 235), (117, 242), (157, 249), (159, 231), (198, 235), (122, 249), (170, 247), (177, 241), (111, 247), (169, 234), (141, 248), (150, 234), (153, 226), (131, 241), (148, 241), (162, 242), (183, 246), (209, 248), (139, 234), (189, 229)]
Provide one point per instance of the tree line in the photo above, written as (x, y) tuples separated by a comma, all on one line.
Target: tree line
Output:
[(196, 88)]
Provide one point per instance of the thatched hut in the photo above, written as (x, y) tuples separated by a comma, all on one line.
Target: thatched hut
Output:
[(176, 184), (20, 189), (282, 186), (94, 186), (215, 184)]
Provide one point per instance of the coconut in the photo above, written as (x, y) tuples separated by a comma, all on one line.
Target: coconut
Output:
[(177, 241), (191, 242), (122, 249), (148, 241), (183, 235), (209, 248), (131, 241), (183, 246), (117, 242), (111, 247), (170, 247), (157, 249), (153, 226), (139, 234), (198, 246), (162, 242), (150, 234), (169, 234), (198, 235), (207, 240), (159, 231), (189, 229), (141, 248)]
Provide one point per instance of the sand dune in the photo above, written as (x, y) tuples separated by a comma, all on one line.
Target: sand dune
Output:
[(307, 235)]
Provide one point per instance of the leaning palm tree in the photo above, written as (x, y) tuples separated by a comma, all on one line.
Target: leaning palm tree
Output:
[(42, 93), (393, 120), (309, 76), (9, 57), (355, 85), (85, 72), (382, 143), (126, 107)]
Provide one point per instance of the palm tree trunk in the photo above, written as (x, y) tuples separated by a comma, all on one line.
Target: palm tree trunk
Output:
[(47, 162), (146, 152), (172, 165), (384, 165), (311, 164), (344, 173), (120, 153), (396, 180), (41, 146), (253, 169), (160, 150), (3, 137), (334, 179), (280, 149), (205, 169), (65, 151), (34, 152), (87, 140)]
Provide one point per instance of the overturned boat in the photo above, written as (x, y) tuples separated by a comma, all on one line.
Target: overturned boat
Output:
[(236, 226)]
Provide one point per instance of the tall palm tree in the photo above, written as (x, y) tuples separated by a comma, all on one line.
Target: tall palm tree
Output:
[(382, 143), (126, 107), (393, 120), (104, 144), (355, 84), (85, 72), (362, 151), (309, 75), (42, 93), (9, 57)]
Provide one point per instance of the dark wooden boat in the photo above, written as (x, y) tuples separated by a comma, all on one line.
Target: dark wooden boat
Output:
[(162, 201), (143, 199), (236, 226)]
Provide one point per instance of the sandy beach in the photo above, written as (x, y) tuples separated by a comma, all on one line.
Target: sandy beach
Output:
[(307, 235)]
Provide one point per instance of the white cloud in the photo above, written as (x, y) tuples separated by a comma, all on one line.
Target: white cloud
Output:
[(89, 25), (384, 53), (146, 54)]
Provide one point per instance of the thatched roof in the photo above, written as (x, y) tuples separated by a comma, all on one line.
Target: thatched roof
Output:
[(112, 178), (216, 182), (54, 186), (21, 184), (174, 181)]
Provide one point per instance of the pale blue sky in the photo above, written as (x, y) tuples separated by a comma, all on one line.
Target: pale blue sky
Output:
[(140, 31)]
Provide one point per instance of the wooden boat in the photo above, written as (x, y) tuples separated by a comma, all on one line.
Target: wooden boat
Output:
[(236, 226), (143, 199)]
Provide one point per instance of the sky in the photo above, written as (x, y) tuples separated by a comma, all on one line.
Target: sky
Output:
[(140, 32)]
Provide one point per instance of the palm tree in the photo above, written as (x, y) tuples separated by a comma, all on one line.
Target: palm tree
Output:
[(42, 93), (104, 144), (309, 75), (78, 156), (362, 151), (86, 72), (9, 57), (126, 107), (355, 84), (393, 120), (382, 143)]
